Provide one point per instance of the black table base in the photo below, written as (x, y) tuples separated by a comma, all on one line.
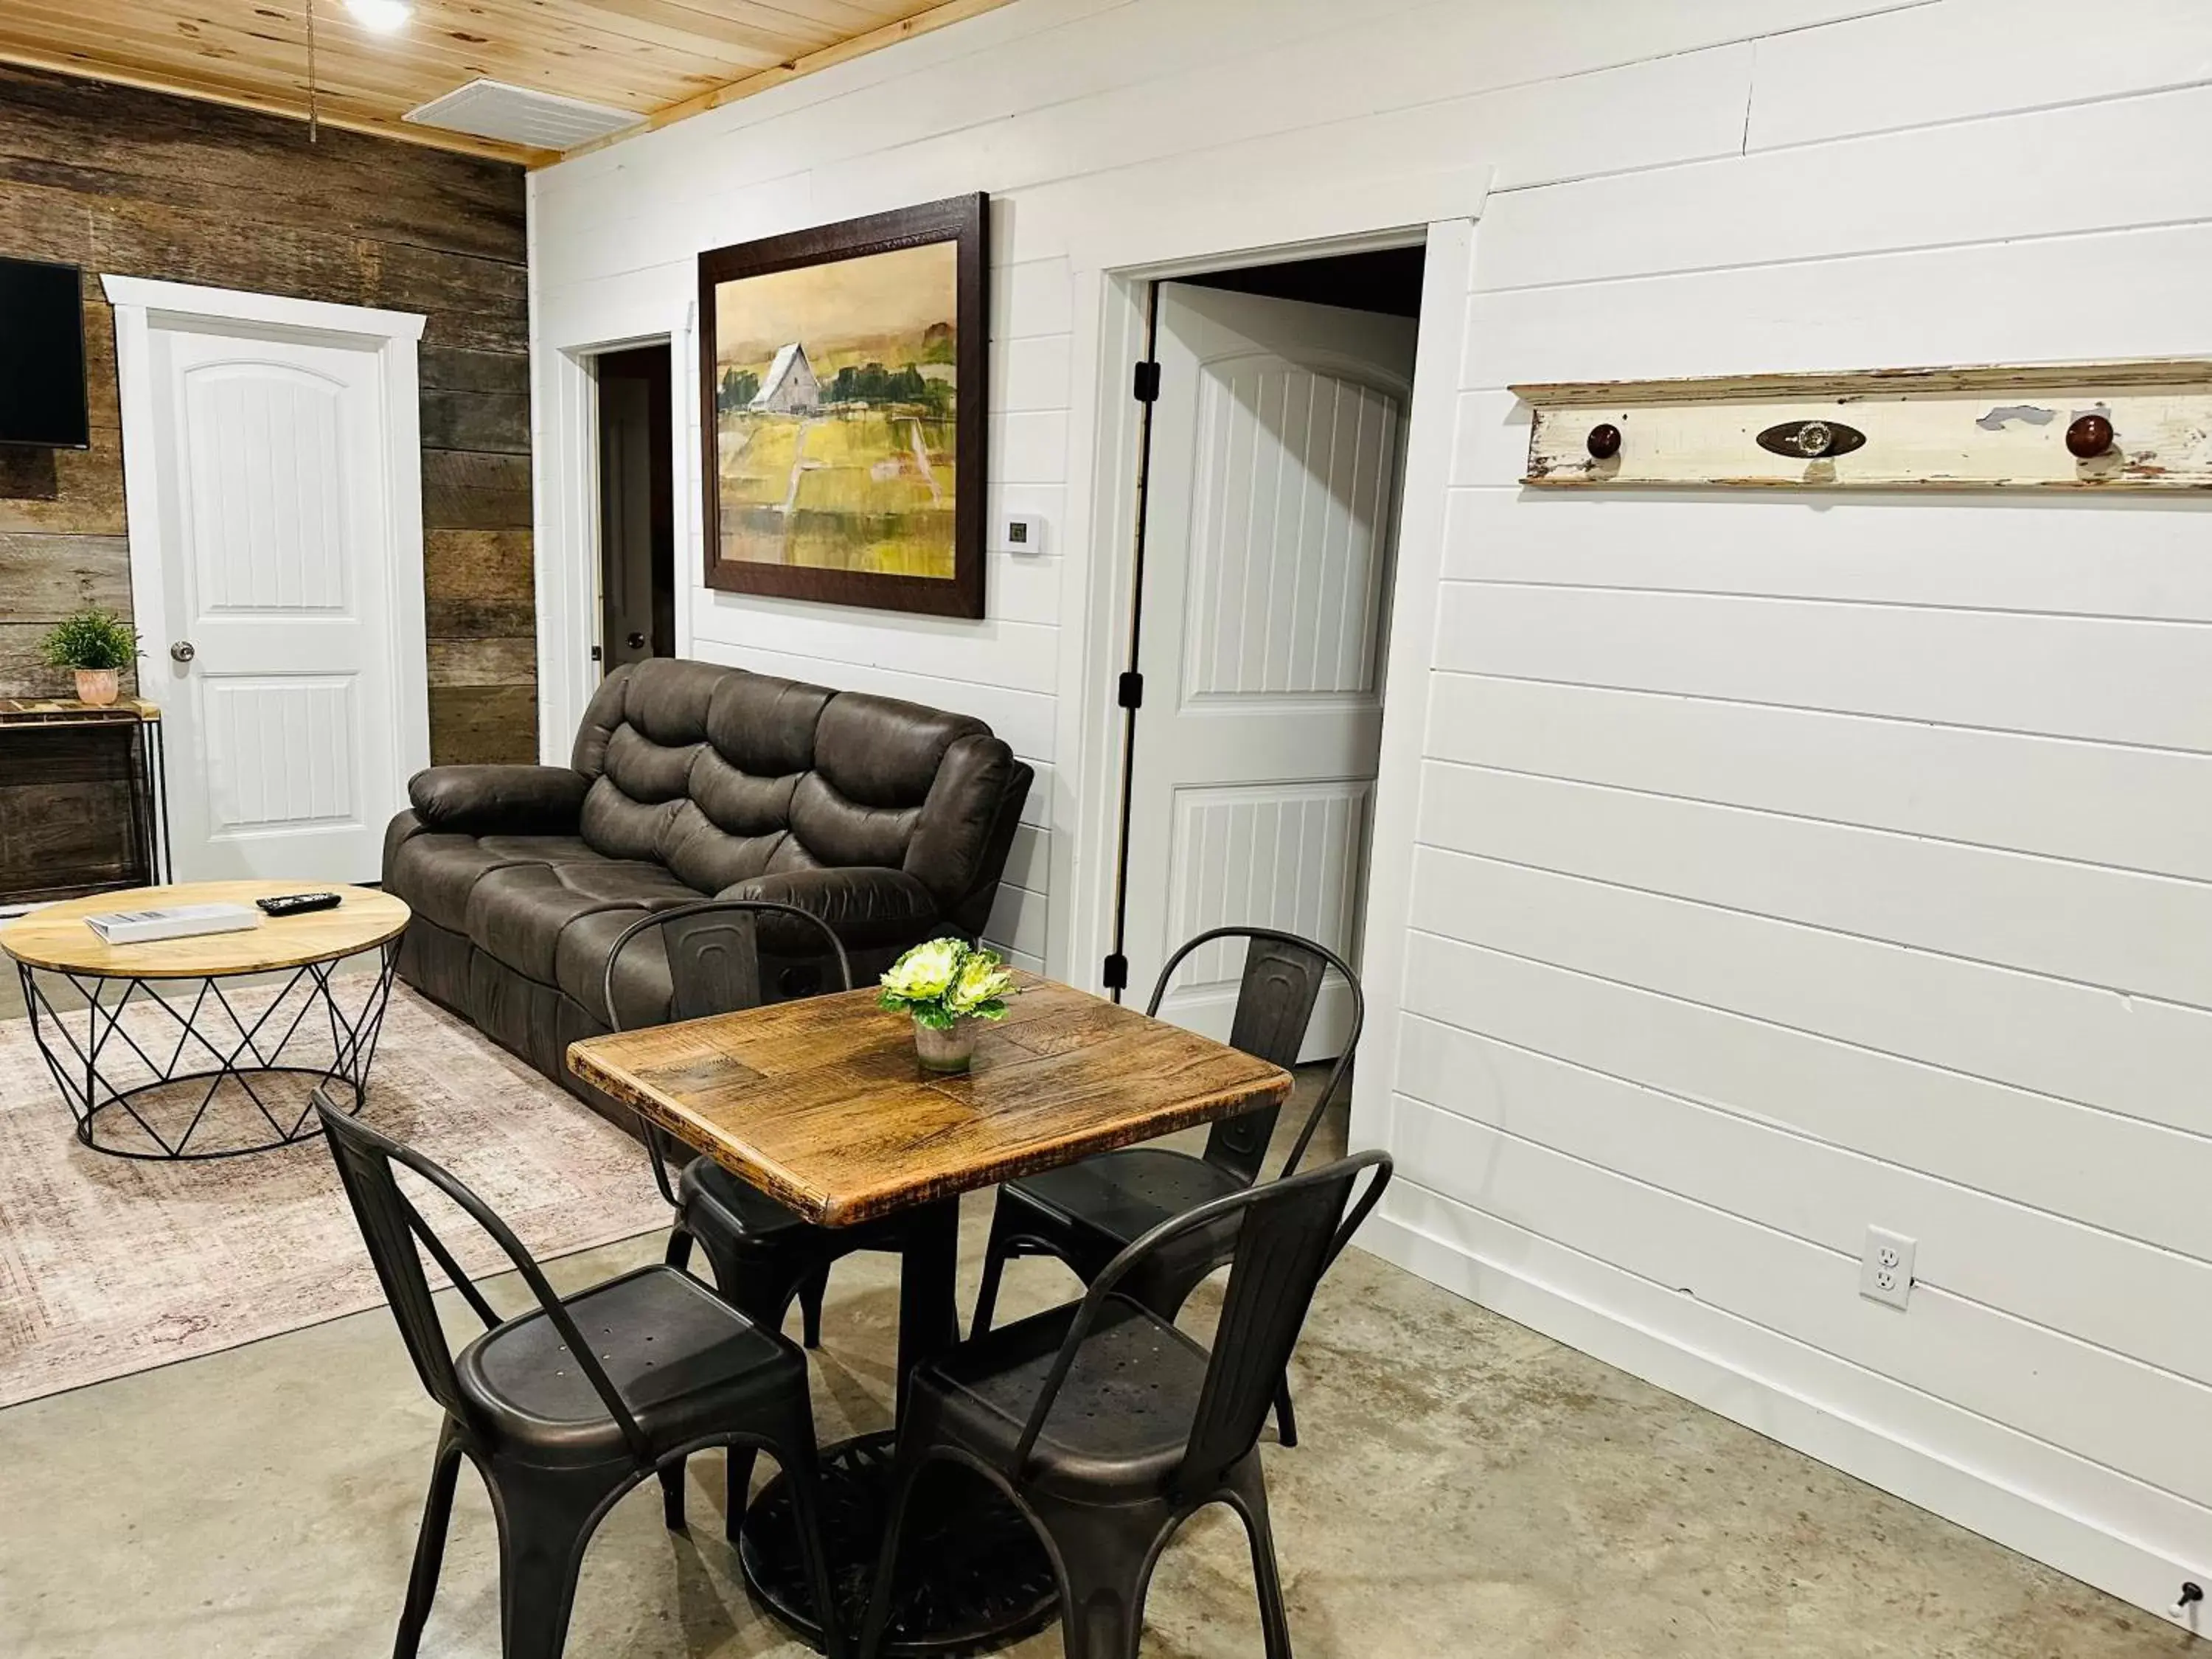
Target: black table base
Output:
[(154, 1069), (972, 1575)]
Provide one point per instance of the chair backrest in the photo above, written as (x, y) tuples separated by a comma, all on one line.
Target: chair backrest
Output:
[(1282, 981), (391, 1225), (1288, 1232), (713, 966), (714, 959)]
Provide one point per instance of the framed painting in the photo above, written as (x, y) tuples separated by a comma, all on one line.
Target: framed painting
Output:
[(844, 375)]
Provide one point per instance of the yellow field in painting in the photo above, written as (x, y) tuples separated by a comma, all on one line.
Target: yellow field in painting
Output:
[(859, 490)]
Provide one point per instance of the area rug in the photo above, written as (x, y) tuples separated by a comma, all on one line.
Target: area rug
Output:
[(110, 1265)]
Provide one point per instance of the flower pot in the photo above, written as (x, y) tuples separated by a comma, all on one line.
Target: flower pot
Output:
[(95, 686), (946, 1049)]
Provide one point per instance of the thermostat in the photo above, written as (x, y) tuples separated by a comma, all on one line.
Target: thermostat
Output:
[(1020, 532)]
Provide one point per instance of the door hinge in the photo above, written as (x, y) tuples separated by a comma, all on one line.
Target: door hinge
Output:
[(1148, 383), (1117, 972), (1129, 692)]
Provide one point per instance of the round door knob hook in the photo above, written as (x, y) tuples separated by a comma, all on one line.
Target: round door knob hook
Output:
[(2088, 437), (182, 650), (637, 641), (1604, 441)]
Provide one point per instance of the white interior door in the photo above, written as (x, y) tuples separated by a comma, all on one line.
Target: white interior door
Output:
[(274, 656), (1271, 517)]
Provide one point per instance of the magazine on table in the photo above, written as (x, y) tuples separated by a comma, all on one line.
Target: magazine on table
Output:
[(171, 921)]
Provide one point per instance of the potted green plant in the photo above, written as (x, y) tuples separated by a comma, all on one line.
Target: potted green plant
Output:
[(97, 644), (949, 986)]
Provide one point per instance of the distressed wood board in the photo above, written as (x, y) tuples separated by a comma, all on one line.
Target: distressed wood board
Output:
[(1980, 428), (137, 184)]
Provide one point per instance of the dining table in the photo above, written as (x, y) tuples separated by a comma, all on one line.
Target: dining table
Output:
[(822, 1104)]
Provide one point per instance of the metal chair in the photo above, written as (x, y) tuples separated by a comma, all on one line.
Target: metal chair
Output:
[(559, 1425), (1087, 1212), (762, 1255), (1110, 1427)]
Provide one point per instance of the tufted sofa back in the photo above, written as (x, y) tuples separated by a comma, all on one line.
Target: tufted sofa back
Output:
[(722, 776)]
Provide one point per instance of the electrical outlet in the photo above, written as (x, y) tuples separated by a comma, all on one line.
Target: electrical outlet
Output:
[(1886, 1267)]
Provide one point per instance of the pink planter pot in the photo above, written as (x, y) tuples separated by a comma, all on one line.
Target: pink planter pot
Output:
[(96, 686)]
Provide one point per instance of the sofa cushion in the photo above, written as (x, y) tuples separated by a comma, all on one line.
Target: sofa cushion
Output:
[(435, 874), (516, 916), (644, 990), (537, 849), (764, 726), (878, 751)]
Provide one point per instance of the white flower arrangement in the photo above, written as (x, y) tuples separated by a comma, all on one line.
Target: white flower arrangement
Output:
[(944, 980)]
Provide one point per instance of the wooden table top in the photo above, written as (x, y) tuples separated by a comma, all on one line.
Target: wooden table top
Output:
[(68, 711), (821, 1104), (55, 937)]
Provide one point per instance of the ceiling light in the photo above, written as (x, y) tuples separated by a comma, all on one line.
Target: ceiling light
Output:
[(380, 16)]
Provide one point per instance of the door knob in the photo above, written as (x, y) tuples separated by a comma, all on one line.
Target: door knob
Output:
[(637, 641), (182, 650)]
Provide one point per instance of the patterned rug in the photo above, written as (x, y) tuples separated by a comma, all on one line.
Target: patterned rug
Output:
[(110, 1265)]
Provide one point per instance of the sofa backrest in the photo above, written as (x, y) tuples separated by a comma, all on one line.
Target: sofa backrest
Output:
[(722, 775)]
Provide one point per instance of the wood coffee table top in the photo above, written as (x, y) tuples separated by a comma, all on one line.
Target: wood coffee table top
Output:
[(55, 937), (821, 1104)]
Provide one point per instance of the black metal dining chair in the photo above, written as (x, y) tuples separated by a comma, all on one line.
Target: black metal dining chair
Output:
[(1085, 1212), (760, 1253), (1110, 1427), (564, 1409)]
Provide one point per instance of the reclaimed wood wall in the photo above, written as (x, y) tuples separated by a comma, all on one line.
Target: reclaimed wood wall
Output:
[(139, 184)]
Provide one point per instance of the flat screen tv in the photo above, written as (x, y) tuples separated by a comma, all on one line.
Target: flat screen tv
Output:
[(42, 392)]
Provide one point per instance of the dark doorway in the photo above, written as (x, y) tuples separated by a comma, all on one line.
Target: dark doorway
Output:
[(637, 507)]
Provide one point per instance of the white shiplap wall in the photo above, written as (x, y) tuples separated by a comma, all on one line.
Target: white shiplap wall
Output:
[(1777, 867)]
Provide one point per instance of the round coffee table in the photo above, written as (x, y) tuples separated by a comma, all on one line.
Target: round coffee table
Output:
[(202, 1069)]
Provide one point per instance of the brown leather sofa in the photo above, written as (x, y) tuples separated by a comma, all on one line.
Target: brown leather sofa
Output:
[(889, 821)]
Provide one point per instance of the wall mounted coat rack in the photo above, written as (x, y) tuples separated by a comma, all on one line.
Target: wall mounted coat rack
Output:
[(2142, 425)]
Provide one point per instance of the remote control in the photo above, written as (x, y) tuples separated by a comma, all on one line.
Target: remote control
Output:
[(293, 904)]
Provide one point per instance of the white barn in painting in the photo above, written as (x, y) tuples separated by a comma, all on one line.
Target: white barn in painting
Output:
[(790, 387)]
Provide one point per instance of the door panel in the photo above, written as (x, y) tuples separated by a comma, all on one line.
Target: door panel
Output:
[(280, 752), (1292, 504), (1270, 522), (277, 567), (266, 486)]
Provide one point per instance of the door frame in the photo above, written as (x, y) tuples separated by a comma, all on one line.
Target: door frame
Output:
[(140, 304), (1096, 602), (565, 420)]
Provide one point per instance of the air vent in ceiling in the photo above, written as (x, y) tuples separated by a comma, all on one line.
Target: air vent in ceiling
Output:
[(516, 115)]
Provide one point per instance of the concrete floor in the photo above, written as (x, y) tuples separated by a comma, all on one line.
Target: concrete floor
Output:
[(1465, 1486)]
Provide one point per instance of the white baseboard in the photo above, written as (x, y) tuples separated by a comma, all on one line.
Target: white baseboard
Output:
[(2019, 1491)]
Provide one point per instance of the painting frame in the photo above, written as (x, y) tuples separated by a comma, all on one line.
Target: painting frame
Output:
[(964, 221)]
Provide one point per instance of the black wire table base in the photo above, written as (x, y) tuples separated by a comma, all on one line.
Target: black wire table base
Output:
[(155, 1069), (972, 1574)]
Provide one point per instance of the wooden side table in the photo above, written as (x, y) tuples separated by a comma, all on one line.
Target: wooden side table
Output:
[(83, 798)]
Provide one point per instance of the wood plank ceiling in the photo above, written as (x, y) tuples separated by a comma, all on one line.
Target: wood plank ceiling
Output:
[(663, 58)]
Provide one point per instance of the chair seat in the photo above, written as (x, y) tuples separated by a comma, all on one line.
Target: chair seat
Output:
[(1123, 1195), (714, 1198), (682, 1358), (1118, 1430)]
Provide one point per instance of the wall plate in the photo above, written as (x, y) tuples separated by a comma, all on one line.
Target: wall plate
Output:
[(1017, 532)]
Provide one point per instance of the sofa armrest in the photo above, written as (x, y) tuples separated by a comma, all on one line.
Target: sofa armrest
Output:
[(864, 905), (499, 801)]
